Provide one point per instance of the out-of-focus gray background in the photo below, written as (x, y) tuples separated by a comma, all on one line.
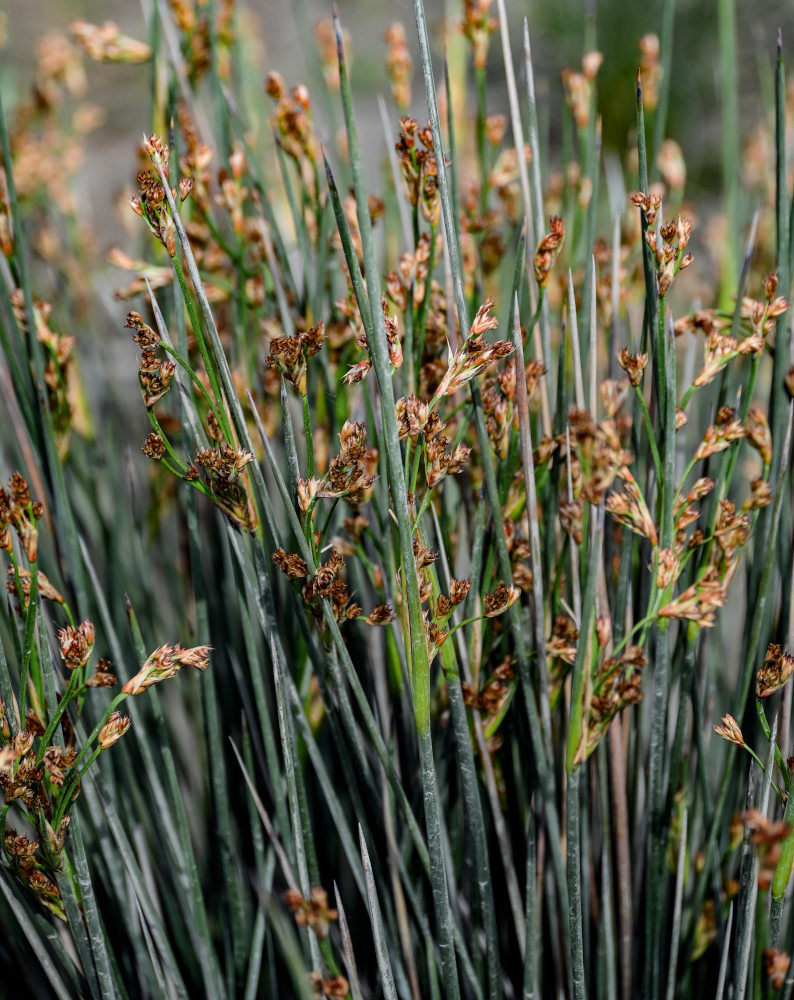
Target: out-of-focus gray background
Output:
[(272, 40)]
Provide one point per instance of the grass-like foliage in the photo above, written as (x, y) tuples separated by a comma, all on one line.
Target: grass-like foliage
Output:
[(469, 501)]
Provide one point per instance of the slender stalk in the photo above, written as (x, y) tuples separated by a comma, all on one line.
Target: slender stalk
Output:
[(419, 662)]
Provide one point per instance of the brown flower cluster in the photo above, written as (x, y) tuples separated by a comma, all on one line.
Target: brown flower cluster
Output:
[(35, 865), (165, 662), (616, 684), (726, 429), (478, 26), (351, 474), (445, 605), (398, 64), (633, 365), (206, 36), (700, 600), (411, 280), (150, 203), (564, 637), (475, 354), (30, 783), (776, 670), (224, 467), (629, 508), (548, 250), (155, 372), (578, 87), (325, 37), (496, 693), (767, 837), (500, 600), (22, 576), (290, 354), (382, 614), (327, 584), (61, 378), (668, 249), (776, 965), (20, 512), (313, 912), (292, 120), (335, 986), (418, 168), (597, 455), (76, 644), (116, 726), (359, 371), (106, 43), (290, 564), (650, 69)]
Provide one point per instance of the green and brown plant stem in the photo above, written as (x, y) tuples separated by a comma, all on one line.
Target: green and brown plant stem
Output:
[(418, 661), (729, 135), (31, 668), (657, 790), (198, 333), (576, 743), (36, 393), (536, 198), (541, 761), (779, 400), (747, 899), (750, 654)]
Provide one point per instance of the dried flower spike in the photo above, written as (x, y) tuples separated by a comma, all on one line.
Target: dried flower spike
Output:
[(500, 600), (776, 670), (729, 730), (116, 726), (547, 251), (164, 663), (76, 644)]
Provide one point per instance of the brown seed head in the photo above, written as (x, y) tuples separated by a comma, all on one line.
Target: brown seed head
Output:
[(776, 670), (76, 644), (116, 726), (547, 251), (729, 730)]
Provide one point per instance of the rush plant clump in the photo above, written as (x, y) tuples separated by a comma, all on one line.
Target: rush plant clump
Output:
[(469, 473)]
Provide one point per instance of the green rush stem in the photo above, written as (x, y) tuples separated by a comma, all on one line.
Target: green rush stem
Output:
[(782, 876), (235, 255), (779, 402), (743, 687), (781, 763), (657, 790), (649, 270), (545, 772), (420, 327), (646, 419), (573, 840), (473, 804), (74, 777), (482, 150), (576, 745), (422, 508), (419, 661), (325, 526), (71, 687), (220, 412), (28, 659), (307, 430), (193, 377), (181, 468), (729, 130)]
